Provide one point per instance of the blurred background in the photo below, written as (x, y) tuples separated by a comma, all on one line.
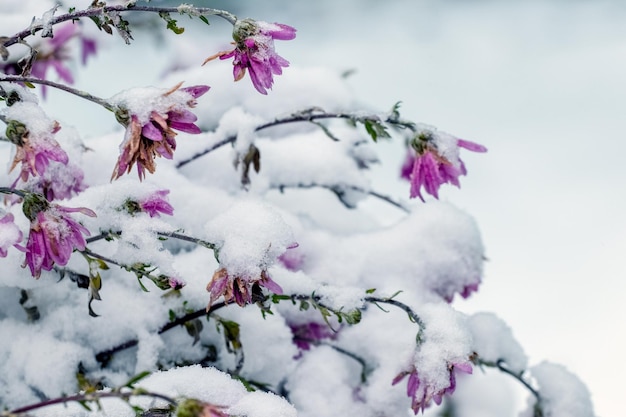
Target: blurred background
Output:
[(541, 84)]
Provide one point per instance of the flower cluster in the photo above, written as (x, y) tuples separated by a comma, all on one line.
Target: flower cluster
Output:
[(239, 289), (156, 203), (423, 391), (254, 51), (54, 234), (433, 160), (150, 116)]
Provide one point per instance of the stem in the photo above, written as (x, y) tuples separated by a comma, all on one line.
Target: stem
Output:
[(19, 193), (186, 238), (91, 397), (301, 116), (412, 315), (76, 92), (105, 355), (337, 189), (500, 365), (98, 11)]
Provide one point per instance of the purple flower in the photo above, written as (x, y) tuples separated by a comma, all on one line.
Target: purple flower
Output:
[(433, 161), (423, 391), (151, 133), (54, 234), (59, 181), (254, 51), (293, 258), (55, 53), (35, 147), (10, 234), (304, 335), (239, 289), (156, 203)]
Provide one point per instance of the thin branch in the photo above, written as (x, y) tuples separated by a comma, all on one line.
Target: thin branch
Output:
[(105, 355), (94, 396), (338, 190), (500, 364), (186, 238), (412, 315), (7, 190), (99, 11), (307, 115), (68, 89)]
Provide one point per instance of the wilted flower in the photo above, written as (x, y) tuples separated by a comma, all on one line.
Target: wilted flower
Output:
[(254, 51), (32, 132), (433, 160), (157, 203), (58, 182), (239, 289), (53, 233), (10, 234), (150, 116), (423, 391)]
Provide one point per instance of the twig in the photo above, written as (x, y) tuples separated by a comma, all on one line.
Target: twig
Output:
[(68, 89), (95, 396), (98, 11), (105, 355), (302, 116)]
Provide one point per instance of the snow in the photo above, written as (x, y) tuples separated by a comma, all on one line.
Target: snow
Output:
[(430, 255)]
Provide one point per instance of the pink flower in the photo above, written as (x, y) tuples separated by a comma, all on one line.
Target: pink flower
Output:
[(254, 51), (35, 147), (157, 203), (59, 181), (293, 258), (151, 133), (55, 53), (53, 233), (433, 160), (239, 289), (422, 392), (304, 335), (10, 234)]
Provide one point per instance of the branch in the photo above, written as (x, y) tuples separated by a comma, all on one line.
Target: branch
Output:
[(74, 91), (98, 11), (338, 190), (94, 396), (412, 315), (7, 190), (500, 364), (307, 115), (104, 356)]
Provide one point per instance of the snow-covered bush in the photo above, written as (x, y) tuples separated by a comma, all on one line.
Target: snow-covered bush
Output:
[(234, 274)]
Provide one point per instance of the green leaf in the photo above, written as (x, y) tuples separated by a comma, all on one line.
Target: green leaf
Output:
[(133, 380), (370, 291), (375, 129), (353, 317), (204, 19), (231, 334)]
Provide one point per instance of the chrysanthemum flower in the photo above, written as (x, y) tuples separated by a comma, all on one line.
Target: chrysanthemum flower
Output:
[(150, 116), (54, 234), (254, 51), (433, 160)]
